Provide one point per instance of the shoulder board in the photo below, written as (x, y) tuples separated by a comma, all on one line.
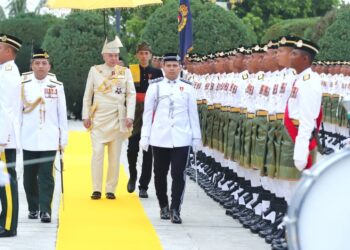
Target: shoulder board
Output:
[(185, 81), (56, 82), (155, 80), (26, 81), (306, 77), (245, 76), (28, 73), (8, 67), (51, 74)]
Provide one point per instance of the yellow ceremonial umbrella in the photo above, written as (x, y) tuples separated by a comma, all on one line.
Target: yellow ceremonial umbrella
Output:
[(99, 4)]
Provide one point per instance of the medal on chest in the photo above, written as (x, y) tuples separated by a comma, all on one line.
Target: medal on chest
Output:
[(294, 92), (250, 89)]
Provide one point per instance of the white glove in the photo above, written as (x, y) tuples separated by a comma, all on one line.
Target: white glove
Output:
[(4, 177), (144, 143), (196, 144), (300, 165)]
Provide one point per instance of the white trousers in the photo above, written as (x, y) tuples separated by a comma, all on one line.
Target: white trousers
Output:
[(114, 151)]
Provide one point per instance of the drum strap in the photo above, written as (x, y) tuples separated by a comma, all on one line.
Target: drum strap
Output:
[(293, 132)]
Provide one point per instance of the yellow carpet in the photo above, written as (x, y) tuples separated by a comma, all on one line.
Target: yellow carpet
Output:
[(99, 224)]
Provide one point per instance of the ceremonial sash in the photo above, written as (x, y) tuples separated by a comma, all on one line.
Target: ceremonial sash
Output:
[(293, 132), (140, 97)]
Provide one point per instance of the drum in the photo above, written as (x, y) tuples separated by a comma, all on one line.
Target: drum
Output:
[(318, 216)]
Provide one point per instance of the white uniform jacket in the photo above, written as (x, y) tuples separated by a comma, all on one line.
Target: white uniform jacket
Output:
[(10, 105), (45, 127), (170, 117), (114, 98), (304, 105)]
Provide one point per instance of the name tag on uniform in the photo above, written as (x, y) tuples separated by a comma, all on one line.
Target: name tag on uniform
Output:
[(50, 93)]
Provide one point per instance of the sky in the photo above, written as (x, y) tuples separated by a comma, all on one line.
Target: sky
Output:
[(31, 5)]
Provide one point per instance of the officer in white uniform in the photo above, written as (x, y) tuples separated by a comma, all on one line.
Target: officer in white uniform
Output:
[(171, 127), (108, 111), (44, 131), (10, 113)]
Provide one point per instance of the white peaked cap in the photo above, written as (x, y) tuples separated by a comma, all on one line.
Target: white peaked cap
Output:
[(113, 46)]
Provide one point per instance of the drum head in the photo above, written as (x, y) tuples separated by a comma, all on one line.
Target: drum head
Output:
[(323, 213)]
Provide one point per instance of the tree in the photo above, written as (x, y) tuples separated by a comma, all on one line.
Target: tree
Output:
[(297, 27), (132, 26), (2, 14), (261, 14), (321, 7), (335, 43), (214, 29), (39, 6), (17, 7), (31, 29), (75, 45), (318, 31)]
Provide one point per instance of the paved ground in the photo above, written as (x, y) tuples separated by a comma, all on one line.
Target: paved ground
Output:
[(205, 225)]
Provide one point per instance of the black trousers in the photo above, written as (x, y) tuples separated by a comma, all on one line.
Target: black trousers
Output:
[(9, 194), (146, 170), (163, 158), (38, 180)]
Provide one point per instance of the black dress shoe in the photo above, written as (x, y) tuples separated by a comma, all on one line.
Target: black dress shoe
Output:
[(165, 213), (131, 185), (143, 193), (280, 233), (45, 217), (175, 216), (282, 246), (7, 233), (96, 195), (33, 215), (110, 196)]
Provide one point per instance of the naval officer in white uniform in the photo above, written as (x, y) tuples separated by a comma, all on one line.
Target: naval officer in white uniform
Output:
[(171, 127)]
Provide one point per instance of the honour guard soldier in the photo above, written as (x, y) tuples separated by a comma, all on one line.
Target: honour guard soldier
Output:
[(44, 131), (141, 73), (171, 127), (304, 105), (108, 111), (10, 112)]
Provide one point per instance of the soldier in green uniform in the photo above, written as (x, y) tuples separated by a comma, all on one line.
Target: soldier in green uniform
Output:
[(10, 143), (142, 73)]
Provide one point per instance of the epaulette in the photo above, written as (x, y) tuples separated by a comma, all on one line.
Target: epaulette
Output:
[(8, 67), (26, 81), (56, 82), (51, 74), (245, 76), (155, 80), (306, 77), (185, 81), (27, 73)]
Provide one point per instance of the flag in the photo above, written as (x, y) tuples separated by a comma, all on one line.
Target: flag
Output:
[(185, 28)]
